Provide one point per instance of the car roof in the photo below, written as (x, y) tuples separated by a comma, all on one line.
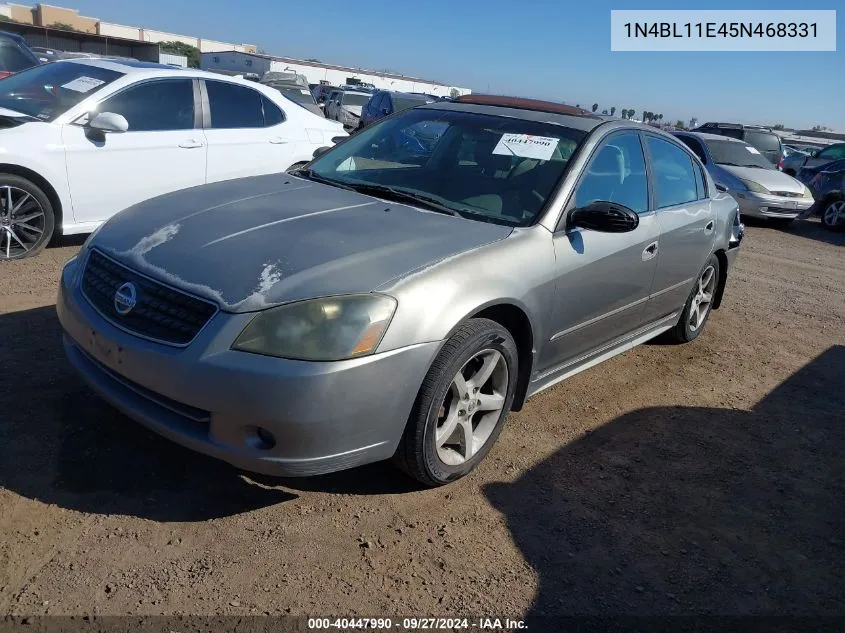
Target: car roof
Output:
[(526, 109), (710, 137)]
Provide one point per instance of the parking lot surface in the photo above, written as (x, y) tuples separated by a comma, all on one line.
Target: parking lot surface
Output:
[(705, 478)]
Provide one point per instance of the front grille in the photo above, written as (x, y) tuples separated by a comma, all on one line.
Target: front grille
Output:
[(788, 194), (160, 313)]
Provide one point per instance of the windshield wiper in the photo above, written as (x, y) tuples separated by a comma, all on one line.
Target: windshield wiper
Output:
[(400, 195), (310, 174)]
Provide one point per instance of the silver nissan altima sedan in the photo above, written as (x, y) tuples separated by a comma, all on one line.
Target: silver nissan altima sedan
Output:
[(400, 294)]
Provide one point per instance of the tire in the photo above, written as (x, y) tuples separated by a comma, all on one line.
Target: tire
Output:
[(683, 332), (833, 214), (437, 404), (27, 230)]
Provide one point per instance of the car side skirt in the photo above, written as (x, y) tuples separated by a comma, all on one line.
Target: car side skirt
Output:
[(557, 374)]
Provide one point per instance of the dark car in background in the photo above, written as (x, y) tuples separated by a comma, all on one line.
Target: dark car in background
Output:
[(794, 163), (384, 103), (15, 55), (766, 140), (827, 182), (321, 93)]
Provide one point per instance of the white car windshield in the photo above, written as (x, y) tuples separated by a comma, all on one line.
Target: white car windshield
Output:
[(488, 168), (47, 91), (737, 154)]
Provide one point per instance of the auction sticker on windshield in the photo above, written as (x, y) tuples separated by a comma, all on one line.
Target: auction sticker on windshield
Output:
[(526, 146), (83, 84), (753, 150)]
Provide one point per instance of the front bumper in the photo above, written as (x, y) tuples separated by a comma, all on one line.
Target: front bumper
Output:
[(323, 417), (759, 205)]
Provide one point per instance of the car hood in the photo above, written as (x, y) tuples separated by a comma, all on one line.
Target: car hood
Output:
[(771, 179), (253, 243), (354, 109)]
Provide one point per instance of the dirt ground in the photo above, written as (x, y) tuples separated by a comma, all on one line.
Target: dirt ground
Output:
[(706, 478)]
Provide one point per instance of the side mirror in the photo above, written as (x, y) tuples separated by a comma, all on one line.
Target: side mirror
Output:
[(109, 122), (339, 139), (320, 151), (721, 187), (607, 217)]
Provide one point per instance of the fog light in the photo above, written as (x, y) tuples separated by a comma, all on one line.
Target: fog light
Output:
[(266, 439)]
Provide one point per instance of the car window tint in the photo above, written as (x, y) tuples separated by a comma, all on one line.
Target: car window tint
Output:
[(701, 190), (13, 59), (234, 106), (673, 173), (273, 114), (403, 103), (616, 174), (833, 152), (155, 106), (695, 146)]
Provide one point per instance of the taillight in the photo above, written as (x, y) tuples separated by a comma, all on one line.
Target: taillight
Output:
[(5, 73), (780, 162)]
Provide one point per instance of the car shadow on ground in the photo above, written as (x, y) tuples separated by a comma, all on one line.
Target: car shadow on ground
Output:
[(682, 510), (63, 445), (810, 229)]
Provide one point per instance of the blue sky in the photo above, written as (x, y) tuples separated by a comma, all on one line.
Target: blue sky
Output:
[(534, 48)]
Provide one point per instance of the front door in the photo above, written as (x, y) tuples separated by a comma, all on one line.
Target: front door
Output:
[(604, 278), (247, 133), (159, 153)]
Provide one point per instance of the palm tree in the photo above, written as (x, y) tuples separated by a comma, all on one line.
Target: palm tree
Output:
[(624, 113), (612, 110), (660, 117), (631, 113), (595, 107)]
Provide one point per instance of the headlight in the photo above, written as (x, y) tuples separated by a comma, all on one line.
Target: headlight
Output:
[(807, 192), (327, 329), (756, 187)]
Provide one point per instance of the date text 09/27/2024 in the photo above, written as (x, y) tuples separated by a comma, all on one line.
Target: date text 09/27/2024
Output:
[(720, 29)]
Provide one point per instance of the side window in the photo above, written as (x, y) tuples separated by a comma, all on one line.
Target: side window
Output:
[(234, 106), (833, 153), (616, 174), (13, 59), (155, 106), (273, 114), (695, 146), (673, 173), (700, 188)]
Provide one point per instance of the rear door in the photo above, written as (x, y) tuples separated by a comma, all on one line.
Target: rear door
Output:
[(247, 133), (687, 224), (162, 151), (604, 278)]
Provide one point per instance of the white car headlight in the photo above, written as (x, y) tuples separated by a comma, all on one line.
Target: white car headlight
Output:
[(807, 192), (326, 329), (756, 187)]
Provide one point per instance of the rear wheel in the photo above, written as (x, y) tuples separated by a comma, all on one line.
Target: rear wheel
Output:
[(26, 218), (699, 304), (833, 215), (462, 404)]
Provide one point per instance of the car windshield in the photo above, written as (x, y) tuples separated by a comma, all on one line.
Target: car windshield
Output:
[(355, 99), (736, 153), (488, 168), (300, 95), (47, 91), (764, 141)]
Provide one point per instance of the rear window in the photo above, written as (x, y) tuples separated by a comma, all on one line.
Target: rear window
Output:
[(764, 141)]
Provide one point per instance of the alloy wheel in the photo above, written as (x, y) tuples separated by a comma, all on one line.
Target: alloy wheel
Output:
[(703, 298), (472, 407), (834, 214), (22, 221)]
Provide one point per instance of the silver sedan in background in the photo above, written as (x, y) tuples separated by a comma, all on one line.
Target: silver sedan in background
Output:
[(395, 298)]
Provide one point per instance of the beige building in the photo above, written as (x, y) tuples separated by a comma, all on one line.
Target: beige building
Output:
[(47, 15)]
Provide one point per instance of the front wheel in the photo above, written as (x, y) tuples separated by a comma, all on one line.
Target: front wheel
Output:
[(833, 216), (26, 218), (462, 404), (699, 304)]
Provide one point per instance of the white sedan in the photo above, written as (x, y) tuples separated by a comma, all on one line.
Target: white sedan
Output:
[(84, 139)]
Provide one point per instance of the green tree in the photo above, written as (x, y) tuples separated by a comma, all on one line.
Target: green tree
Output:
[(6, 18), (631, 113), (180, 48), (595, 107), (778, 126), (679, 124), (612, 110), (64, 26)]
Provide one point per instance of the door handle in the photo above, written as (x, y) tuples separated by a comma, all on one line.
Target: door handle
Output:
[(649, 251), (190, 144), (708, 228), (278, 140)]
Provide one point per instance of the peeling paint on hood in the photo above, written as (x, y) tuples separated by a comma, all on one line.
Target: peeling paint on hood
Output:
[(253, 243)]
